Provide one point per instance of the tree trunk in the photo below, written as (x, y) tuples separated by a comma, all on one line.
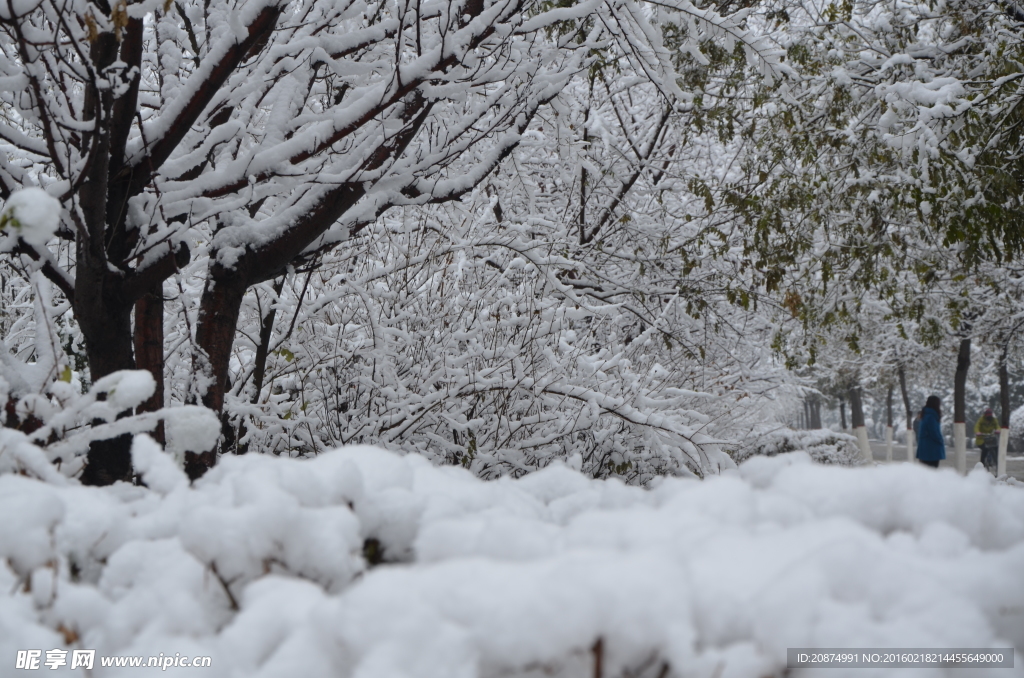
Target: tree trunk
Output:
[(1004, 391), (906, 396), (842, 413), (149, 349), (103, 314), (232, 438), (911, 437), (583, 165), (888, 424), (857, 419), (856, 407), (266, 331), (816, 412), (963, 363), (106, 325), (105, 322), (1004, 413), (108, 461), (888, 407), (215, 333)]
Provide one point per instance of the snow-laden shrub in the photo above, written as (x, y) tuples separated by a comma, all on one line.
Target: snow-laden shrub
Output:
[(476, 352), (31, 214), (64, 422), (261, 566), (823, 445), (443, 332), (1017, 430), (43, 396)]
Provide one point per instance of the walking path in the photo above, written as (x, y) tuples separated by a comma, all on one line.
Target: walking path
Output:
[(1014, 464)]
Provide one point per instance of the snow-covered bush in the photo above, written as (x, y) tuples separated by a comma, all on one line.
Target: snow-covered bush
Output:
[(489, 351), (1017, 430), (233, 177), (823, 445), (31, 214), (262, 565), (64, 422)]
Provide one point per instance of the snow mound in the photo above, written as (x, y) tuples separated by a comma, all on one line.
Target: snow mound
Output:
[(364, 564), (191, 428)]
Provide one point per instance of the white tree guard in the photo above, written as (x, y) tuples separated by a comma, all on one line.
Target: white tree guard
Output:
[(862, 441), (1004, 440), (911, 445), (960, 446)]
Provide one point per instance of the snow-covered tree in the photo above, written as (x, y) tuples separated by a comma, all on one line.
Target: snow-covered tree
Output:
[(252, 139)]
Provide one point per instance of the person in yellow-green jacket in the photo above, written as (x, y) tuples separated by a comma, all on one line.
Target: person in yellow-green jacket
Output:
[(984, 431)]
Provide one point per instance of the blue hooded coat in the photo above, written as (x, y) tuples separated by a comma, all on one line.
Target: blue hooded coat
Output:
[(930, 444)]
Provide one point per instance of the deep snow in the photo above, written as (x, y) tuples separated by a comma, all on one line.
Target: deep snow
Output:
[(503, 578)]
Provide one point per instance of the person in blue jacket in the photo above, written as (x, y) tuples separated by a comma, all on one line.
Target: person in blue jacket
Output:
[(931, 448)]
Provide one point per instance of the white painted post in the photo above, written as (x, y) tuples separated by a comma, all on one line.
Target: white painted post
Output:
[(888, 443), (862, 441), (911, 445), (960, 446), (1004, 440)]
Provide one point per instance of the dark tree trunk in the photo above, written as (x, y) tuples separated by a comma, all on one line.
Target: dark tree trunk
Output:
[(106, 287), (215, 333), (888, 407), (222, 301), (108, 336), (102, 311), (266, 331), (108, 461), (104, 317), (149, 349), (963, 363), (232, 438), (583, 166), (906, 396), (842, 413), (856, 407), (816, 412), (1004, 391), (105, 321), (100, 308), (583, 185)]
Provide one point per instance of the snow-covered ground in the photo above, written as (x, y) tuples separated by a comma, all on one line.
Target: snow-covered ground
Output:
[(261, 566)]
